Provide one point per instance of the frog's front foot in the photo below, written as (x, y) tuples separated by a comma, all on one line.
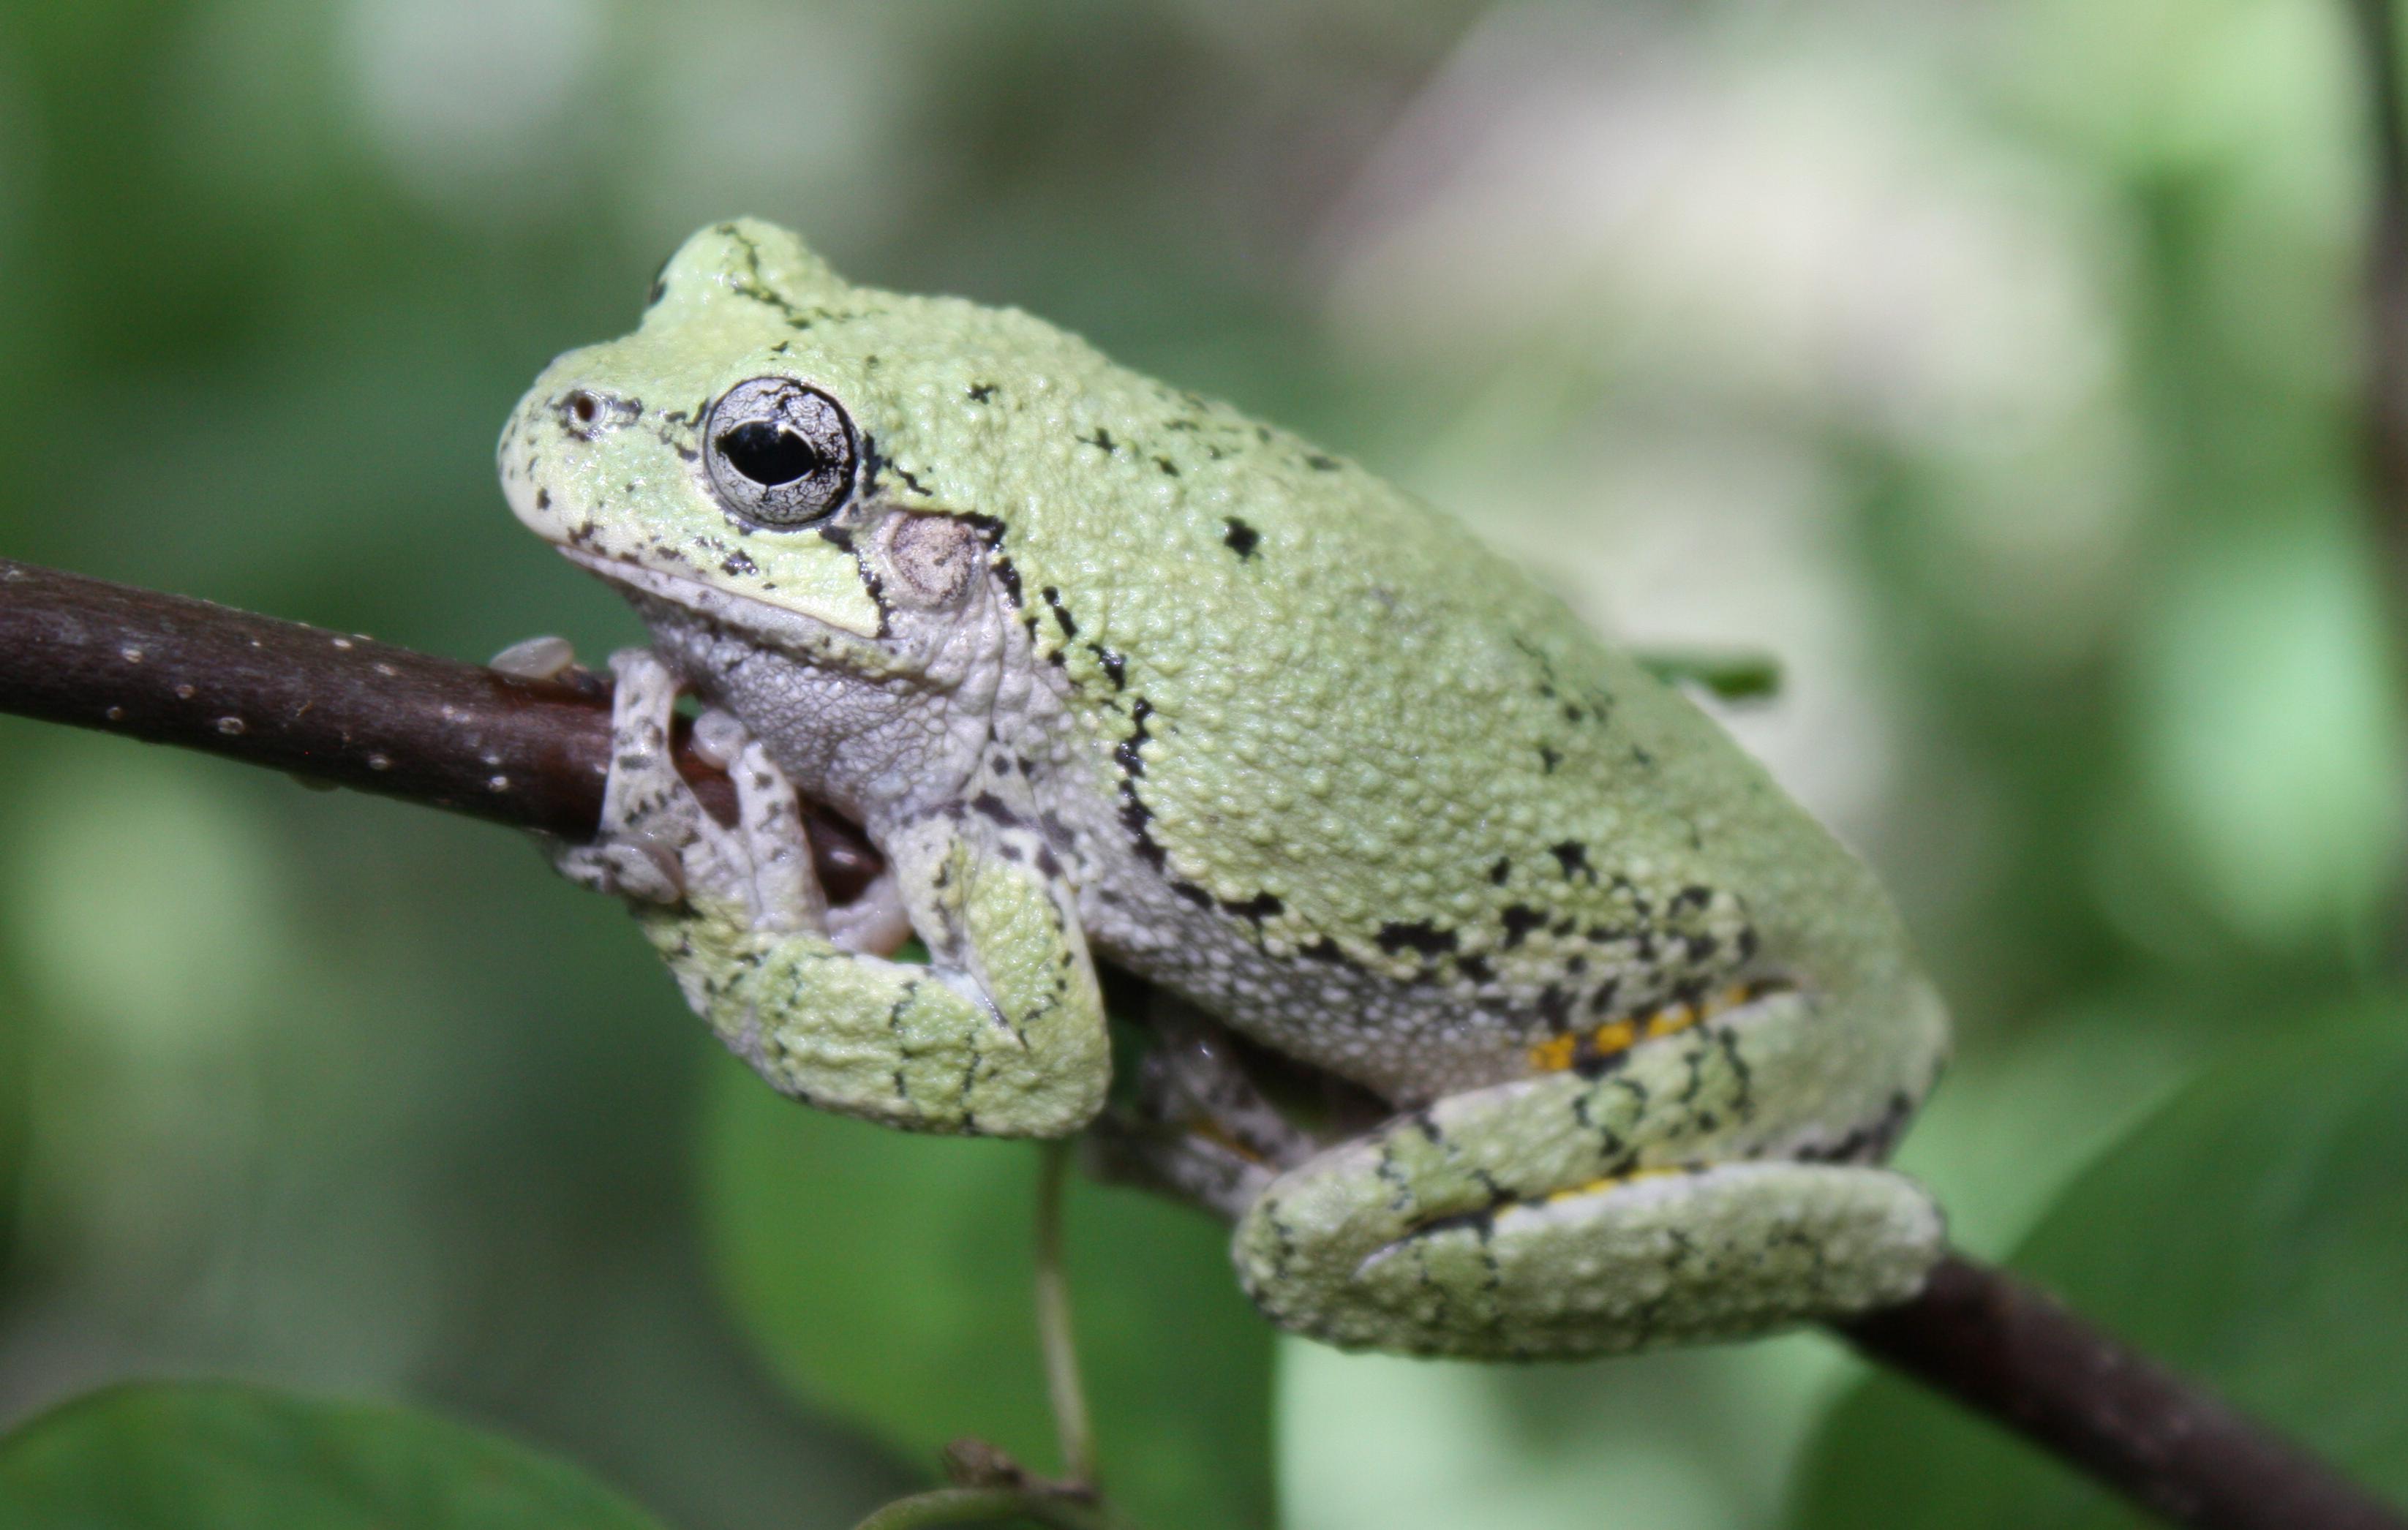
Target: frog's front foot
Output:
[(1001, 1033), (657, 844)]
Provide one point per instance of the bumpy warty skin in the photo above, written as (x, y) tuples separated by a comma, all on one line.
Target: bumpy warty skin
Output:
[(1310, 755), (1325, 764)]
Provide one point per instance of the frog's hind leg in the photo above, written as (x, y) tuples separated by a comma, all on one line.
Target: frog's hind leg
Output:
[(1562, 1215), (1196, 1127)]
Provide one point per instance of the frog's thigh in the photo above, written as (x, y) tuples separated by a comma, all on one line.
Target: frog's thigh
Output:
[(1525, 1219)]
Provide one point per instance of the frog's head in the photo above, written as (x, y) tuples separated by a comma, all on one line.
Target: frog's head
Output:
[(765, 450)]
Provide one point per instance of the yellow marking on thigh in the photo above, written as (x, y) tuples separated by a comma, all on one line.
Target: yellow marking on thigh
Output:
[(1595, 1187), (1573, 1047)]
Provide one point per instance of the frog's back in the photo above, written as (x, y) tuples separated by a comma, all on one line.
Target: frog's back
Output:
[(1371, 792)]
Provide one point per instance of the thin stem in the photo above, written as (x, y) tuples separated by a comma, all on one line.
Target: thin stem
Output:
[(966, 1505), (1054, 1335)]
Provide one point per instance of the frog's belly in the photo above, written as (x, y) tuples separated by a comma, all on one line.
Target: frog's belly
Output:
[(1408, 1042)]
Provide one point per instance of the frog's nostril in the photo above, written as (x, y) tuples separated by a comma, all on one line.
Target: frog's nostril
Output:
[(581, 405)]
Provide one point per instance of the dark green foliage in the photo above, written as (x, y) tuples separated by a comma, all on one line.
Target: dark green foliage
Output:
[(222, 1457)]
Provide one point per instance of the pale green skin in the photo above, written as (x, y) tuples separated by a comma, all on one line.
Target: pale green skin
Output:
[(1097, 663)]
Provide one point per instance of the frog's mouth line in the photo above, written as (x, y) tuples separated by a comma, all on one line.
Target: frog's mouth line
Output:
[(724, 606)]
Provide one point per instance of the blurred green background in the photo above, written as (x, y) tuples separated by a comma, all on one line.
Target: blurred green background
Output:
[(1995, 363)]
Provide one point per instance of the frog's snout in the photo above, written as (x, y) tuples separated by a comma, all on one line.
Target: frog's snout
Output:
[(533, 448)]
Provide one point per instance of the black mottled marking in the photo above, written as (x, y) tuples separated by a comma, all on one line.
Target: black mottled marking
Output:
[(1475, 967), (1502, 869), (1009, 577), (1193, 893), (738, 563), (1555, 1006), (1169, 468), (543, 499), (1748, 942), (1320, 463), (1049, 864), (754, 285), (1061, 612), (1590, 1064), (1548, 760), (1262, 905), (1135, 815), (988, 806), (1574, 857), (1519, 920), (1115, 666), (1865, 1144), (1481, 1223), (1601, 1002), (1137, 818), (1129, 751), (981, 391), (1323, 949), (1419, 935), (1242, 539), (1102, 441)]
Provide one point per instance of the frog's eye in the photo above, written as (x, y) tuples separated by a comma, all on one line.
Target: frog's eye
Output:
[(779, 453)]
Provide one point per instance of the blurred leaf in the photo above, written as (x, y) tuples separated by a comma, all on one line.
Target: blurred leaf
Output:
[(2248, 1235), (222, 1457), (1727, 675), (2268, 734), (888, 1278)]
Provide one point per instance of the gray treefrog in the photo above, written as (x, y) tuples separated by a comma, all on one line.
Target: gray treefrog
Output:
[(1107, 670)]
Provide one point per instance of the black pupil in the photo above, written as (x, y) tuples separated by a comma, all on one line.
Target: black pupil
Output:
[(767, 454)]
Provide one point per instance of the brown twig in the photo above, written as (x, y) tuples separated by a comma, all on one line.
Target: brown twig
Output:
[(2005, 1350), (335, 708), (358, 713)]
